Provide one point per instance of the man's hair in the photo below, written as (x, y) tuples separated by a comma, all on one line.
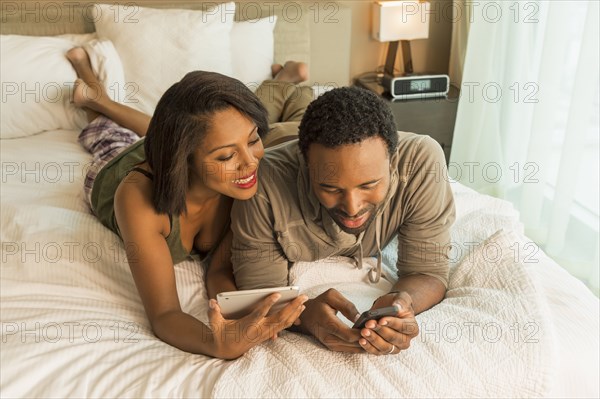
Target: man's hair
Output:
[(347, 115), (180, 122)]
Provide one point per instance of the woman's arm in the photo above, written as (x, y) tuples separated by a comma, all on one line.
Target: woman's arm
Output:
[(219, 276), (152, 269), (226, 339)]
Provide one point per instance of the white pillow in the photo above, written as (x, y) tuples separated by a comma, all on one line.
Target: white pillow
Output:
[(37, 81), (252, 48), (158, 47), (78, 39), (108, 68)]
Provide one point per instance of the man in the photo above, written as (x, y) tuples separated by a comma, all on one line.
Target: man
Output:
[(347, 187)]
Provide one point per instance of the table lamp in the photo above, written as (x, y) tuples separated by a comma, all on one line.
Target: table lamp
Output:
[(399, 22)]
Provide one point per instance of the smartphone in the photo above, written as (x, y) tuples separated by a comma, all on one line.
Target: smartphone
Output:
[(237, 304), (375, 314)]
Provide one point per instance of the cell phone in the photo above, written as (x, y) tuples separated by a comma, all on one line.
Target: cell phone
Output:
[(237, 304), (375, 314)]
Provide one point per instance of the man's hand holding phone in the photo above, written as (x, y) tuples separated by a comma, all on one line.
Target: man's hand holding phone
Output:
[(387, 330), (390, 334), (320, 320)]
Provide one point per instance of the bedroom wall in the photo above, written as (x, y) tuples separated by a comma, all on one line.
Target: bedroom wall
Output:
[(429, 55), (341, 46), (331, 50)]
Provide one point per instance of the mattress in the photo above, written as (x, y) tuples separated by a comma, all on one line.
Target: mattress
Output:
[(73, 323)]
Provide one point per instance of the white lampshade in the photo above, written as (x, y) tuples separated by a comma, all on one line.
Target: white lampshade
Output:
[(400, 20)]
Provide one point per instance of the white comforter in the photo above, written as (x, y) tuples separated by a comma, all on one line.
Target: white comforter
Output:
[(489, 337), (73, 323)]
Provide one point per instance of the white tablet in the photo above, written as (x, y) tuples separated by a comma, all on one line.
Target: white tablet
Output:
[(237, 304)]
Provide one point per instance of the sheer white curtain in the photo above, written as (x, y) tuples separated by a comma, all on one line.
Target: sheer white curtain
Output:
[(527, 122)]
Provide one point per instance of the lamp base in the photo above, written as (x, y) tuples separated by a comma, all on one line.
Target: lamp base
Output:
[(390, 60)]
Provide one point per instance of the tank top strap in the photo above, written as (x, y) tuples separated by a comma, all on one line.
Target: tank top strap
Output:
[(174, 239), (142, 171)]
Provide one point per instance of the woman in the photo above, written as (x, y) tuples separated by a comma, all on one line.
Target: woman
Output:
[(170, 195)]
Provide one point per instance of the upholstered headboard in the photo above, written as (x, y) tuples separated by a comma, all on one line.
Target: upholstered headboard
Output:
[(314, 32)]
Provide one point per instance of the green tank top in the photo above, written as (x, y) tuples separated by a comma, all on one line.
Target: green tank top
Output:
[(103, 196)]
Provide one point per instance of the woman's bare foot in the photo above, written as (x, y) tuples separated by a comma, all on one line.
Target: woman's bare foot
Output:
[(88, 92), (77, 55), (85, 95), (80, 60), (291, 71)]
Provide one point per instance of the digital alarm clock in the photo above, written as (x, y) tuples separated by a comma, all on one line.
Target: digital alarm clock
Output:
[(416, 86)]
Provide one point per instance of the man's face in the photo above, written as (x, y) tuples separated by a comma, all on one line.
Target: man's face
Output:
[(350, 181)]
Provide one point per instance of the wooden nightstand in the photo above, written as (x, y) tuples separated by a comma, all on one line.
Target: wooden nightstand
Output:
[(432, 116)]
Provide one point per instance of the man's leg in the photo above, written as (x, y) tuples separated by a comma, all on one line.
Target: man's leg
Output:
[(90, 95), (285, 101)]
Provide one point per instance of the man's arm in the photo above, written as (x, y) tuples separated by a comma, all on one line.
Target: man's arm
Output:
[(424, 236), (219, 275), (423, 247), (424, 291)]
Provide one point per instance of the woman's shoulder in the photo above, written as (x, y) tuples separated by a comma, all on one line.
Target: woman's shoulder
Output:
[(133, 202)]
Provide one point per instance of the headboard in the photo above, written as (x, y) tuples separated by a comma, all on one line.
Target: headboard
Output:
[(315, 32)]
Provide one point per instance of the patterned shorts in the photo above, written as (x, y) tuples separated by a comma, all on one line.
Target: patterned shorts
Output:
[(104, 139)]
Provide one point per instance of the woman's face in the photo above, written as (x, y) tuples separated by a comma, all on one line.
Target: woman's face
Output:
[(227, 160)]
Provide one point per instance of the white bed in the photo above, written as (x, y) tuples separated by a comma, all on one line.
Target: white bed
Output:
[(73, 324), (513, 324)]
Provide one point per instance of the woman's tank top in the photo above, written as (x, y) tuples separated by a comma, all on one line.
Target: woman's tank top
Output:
[(105, 186)]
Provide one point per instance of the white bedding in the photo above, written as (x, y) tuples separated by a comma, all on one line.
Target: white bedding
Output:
[(73, 323), (474, 332)]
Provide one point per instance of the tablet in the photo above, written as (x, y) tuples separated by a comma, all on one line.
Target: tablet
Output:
[(237, 304)]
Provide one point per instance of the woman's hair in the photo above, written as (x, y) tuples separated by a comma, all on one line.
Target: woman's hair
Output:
[(180, 122), (347, 115)]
